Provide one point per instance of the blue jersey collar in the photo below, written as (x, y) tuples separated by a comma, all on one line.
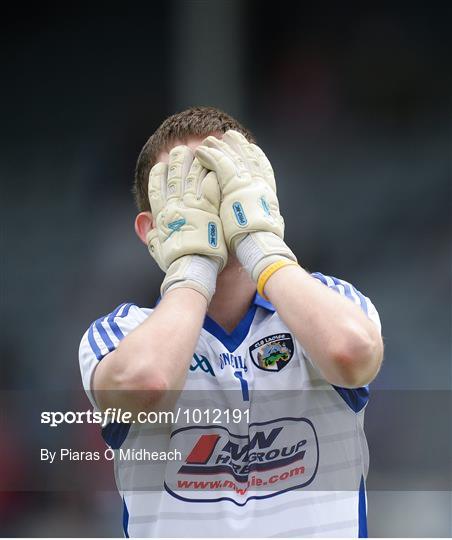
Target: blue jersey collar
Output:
[(233, 340), (261, 302)]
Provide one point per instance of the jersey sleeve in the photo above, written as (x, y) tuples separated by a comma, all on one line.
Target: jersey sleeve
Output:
[(356, 398), (103, 336)]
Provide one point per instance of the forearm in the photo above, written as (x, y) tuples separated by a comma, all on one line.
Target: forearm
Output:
[(154, 358), (345, 345), (343, 342)]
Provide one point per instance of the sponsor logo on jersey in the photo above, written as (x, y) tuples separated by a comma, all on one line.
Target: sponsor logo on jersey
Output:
[(236, 362), (274, 456), (202, 363), (272, 353), (238, 458)]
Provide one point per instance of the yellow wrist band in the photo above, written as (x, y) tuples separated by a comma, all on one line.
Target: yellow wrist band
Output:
[(269, 271)]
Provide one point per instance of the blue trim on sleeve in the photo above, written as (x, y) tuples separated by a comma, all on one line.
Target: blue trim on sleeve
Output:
[(348, 287), (356, 398), (98, 324), (93, 344), (125, 519), (126, 310), (103, 334), (114, 315), (362, 299), (320, 277), (113, 325), (115, 433), (362, 513)]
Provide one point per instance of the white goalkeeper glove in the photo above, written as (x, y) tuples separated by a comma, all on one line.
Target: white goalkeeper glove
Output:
[(249, 211), (187, 242)]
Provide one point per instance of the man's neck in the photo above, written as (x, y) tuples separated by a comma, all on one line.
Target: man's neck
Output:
[(234, 292)]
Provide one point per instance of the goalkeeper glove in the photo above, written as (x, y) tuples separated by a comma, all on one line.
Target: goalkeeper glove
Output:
[(187, 242), (252, 224)]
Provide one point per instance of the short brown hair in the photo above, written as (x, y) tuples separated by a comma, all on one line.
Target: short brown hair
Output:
[(196, 121)]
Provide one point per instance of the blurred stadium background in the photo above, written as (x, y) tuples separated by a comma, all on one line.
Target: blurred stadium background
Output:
[(352, 104)]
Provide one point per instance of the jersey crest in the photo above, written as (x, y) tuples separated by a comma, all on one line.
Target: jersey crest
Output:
[(272, 353)]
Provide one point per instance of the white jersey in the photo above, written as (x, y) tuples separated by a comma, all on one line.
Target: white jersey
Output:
[(289, 458)]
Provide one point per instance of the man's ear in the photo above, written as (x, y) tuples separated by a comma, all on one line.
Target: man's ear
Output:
[(144, 222)]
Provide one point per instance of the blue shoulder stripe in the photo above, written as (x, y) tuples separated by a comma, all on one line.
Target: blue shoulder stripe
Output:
[(113, 325), (93, 344), (324, 279), (363, 302), (348, 288), (362, 299), (115, 314), (320, 277), (103, 334)]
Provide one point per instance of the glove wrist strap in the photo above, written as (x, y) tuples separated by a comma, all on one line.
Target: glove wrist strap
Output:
[(257, 251), (196, 272)]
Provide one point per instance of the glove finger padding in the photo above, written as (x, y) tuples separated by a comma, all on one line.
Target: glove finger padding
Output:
[(153, 243), (185, 205), (157, 197), (180, 162), (249, 203), (265, 165), (157, 187), (230, 168)]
